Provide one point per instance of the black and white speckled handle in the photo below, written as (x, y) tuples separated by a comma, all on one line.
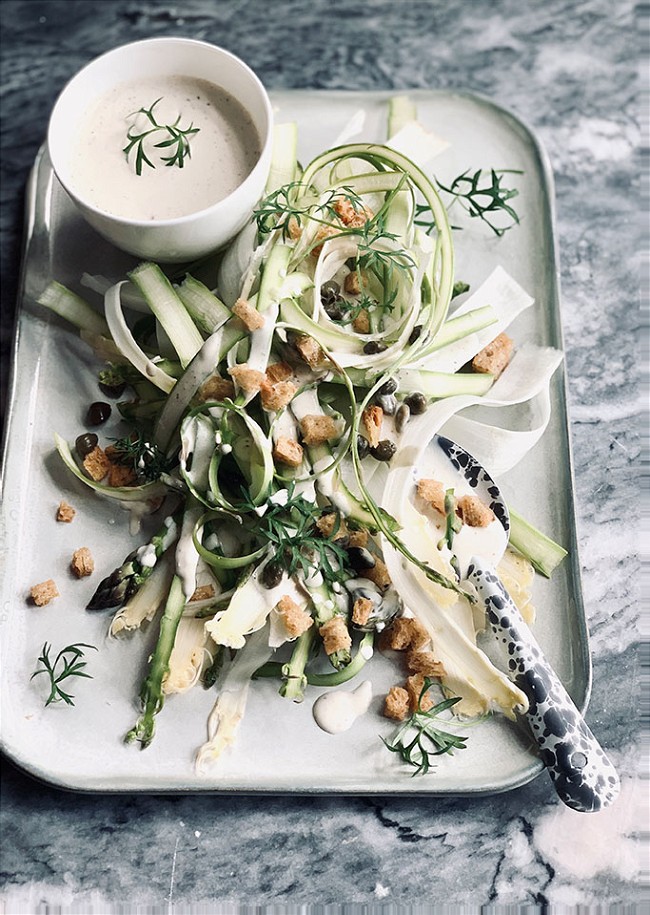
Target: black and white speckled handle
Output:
[(583, 776)]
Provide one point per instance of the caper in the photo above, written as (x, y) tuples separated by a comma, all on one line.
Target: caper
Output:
[(373, 347), (360, 558), (417, 403), (272, 574), (402, 416), (388, 403), (329, 291), (86, 443), (384, 451), (388, 387), (363, 446), (98, 413), (333, 309), (112, 390), (415, 333)]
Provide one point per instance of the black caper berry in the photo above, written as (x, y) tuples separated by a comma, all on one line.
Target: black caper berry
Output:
[(329, 291), (272, 575), (373, 347), (98, 413), (417, 403), (360, 558), (86, 443), (415, 333), (384, 451), (402, 417), (333, 309), (388, 403), (388, 387), (363, 446), (113, 390)]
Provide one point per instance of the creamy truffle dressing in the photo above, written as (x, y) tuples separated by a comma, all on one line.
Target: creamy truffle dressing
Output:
[(222, 153), (337, 712)]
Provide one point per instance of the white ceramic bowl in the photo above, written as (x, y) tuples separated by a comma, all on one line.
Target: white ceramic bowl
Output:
[(187, 237)]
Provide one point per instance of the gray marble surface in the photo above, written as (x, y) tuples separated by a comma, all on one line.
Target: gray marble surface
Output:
[(569, 69)]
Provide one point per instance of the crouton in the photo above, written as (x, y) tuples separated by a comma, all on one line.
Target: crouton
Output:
[(309, 350), (494, 357), (372, 419), (44, 592), (396, 703), (403, 633), (351, 215), (216, 388), (335, 635), (294, 228), (287, 451), (249, 380), (318, 429), (296, 620), (82, 562), (361, 324), (424, 662), (361, 611), (279, 371), (278, 395), (65, 512), (332, 526), (249, 316), (417, 701), (96, 464), (357, 538), (120, 475), (204, 592), (352, 283), (322, 234), (473, 512), (433, 493), (378, 574)]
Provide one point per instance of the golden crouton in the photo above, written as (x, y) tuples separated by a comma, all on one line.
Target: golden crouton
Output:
[(249, 380), (361, 324), (351, 283), (287, 451), (335, 635), (473, 512), (44, 592), (361, 611), (279, 371), (322, 234), (372, 419), (317, 429), (351, 215), (278, 395), (396, 704), (433, 493), (120, 475), (204, 592), (332, 526), (248, 315), (357, 538), (414, 686), (378, 574), (82, 562), (65, 512), (216, 388), (96, 464), (296, 620), (310, 351), (403, 633), (494, 357), (424, 662), (294, 228)]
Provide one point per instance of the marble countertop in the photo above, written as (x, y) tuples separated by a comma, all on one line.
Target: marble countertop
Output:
[(569, 70)]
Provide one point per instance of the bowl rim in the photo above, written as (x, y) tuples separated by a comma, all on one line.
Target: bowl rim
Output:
[(265, 141)]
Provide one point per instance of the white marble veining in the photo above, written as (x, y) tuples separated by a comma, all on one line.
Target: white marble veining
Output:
[(569, 69)]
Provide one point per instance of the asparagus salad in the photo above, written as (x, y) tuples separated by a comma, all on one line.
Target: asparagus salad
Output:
[(265, 420)]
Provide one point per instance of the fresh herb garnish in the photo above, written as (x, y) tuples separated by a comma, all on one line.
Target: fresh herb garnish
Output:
[(177, 141), (477, 199), (147, 460), (420, 737), (70, 664)]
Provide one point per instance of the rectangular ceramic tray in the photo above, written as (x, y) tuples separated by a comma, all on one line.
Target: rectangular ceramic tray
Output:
[(279, 747)]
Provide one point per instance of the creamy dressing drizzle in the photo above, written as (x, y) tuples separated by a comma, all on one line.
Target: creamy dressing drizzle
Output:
[(336, 712), (222, 154)]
